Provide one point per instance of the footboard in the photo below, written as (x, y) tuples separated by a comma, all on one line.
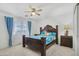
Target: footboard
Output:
[(35, 44)]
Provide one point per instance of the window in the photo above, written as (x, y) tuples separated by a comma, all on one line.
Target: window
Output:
[(20, 28)]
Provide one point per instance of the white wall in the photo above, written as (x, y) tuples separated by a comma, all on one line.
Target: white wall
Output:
[(76, 30), (3, 32)]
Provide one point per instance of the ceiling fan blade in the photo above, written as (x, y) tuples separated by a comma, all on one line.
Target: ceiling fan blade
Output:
[(39, 10), (27, 11), (37, 14)]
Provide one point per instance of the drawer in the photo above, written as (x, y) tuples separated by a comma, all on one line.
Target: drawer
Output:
[(66, 44), (66, 41), (66, 37)]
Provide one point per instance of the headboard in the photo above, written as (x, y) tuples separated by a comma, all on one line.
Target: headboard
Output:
[(49, 28)]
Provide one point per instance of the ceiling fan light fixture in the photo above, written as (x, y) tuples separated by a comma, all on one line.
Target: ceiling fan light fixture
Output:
[(33, 13)]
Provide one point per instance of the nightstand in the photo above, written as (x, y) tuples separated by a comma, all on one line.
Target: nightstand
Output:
[(67, 41)]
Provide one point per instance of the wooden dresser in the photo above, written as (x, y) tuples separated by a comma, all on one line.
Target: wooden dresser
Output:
[(67, 41)]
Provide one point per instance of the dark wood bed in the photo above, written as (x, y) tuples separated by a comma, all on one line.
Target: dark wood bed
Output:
[(40, 45)]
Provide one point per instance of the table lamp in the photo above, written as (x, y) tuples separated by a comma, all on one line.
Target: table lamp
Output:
[(67, 28)]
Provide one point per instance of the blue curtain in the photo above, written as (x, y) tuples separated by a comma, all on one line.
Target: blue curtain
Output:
[(9, 24), (29, 27)]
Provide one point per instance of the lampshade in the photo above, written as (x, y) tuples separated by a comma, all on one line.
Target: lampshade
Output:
[(67, 27)]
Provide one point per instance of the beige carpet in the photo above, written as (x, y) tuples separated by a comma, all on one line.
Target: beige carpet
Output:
[(54, 50)]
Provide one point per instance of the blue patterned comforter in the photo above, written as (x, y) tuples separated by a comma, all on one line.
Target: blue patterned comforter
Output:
[(49, 39)]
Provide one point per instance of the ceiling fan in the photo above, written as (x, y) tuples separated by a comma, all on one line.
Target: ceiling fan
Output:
[(33, 11)]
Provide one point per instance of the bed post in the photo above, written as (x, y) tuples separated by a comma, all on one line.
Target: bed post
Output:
[(57, 34), (43, 48), (23, 43), (40, 30)]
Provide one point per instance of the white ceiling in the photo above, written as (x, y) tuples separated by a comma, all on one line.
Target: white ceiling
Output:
[(49, 9)]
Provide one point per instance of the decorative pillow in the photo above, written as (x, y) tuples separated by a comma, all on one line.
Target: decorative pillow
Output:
[(47, 33), (52, 34), (43, 33)]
